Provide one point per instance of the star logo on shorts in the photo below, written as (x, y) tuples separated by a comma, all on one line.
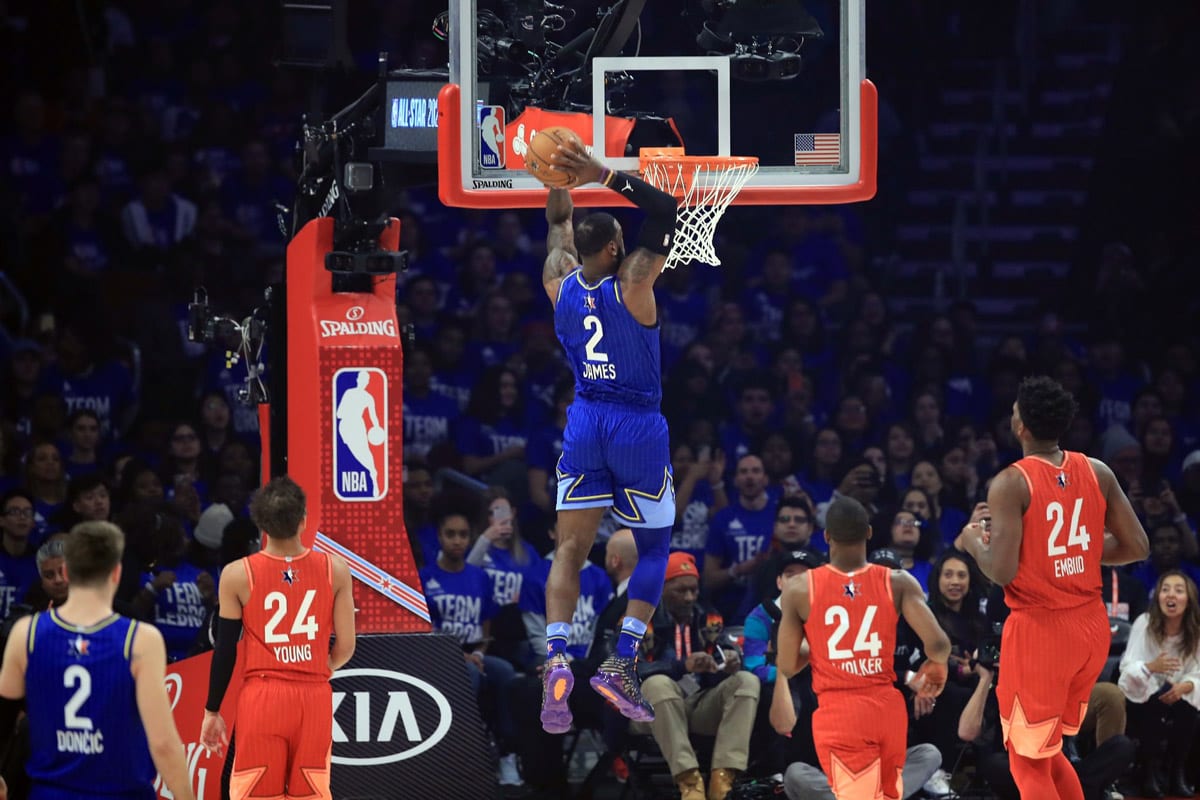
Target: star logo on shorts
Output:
[(589, 302), (290, 575), (851, 589), (628, 187)]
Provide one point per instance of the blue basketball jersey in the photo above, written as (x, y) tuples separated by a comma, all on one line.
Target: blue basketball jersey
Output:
[(86, 736), (614, 357)]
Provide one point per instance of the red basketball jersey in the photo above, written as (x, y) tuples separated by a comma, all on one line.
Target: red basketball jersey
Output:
[(1062, 535), (289, 617), (851, 628)]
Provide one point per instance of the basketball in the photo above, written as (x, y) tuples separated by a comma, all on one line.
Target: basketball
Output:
[(375, 437), (537, 157)]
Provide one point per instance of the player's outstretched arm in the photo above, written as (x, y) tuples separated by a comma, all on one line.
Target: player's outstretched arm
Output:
[(1128, 542), (643, 264), (910, 600), (788, 658), (561, 255), (343, 615), (999, 554), (149, 666)]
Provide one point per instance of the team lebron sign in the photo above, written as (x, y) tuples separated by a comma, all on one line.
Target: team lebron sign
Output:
[(360, 434)]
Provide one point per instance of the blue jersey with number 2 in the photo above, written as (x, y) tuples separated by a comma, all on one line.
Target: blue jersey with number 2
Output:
[(614, 357), (86, 735)]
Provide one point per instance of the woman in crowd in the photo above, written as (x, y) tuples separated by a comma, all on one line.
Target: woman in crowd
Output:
[(1160, 676)]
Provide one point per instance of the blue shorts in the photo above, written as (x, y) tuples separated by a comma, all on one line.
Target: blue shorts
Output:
[(617, 456)]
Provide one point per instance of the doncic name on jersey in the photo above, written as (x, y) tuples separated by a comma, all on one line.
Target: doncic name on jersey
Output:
[(360, 434)]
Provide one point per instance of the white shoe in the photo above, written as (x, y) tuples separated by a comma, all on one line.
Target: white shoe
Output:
[(509, 774), (939, 786)]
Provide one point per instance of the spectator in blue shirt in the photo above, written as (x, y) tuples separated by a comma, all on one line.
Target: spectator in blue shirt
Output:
[(460, 605), (429, 418), (737, 538), (491, 437), (83, 443), (47, 485), (18, 569)]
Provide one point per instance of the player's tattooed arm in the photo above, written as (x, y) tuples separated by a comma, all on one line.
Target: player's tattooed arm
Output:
[(559, 209), (641, 266), (561, 255)]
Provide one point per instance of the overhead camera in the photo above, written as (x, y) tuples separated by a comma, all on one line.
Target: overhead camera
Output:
[(763, 38)]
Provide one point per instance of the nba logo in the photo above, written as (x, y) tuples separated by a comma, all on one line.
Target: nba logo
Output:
[(360, 439), (491, 137)]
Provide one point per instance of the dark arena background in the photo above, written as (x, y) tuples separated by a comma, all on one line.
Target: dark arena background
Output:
[(231, 229)]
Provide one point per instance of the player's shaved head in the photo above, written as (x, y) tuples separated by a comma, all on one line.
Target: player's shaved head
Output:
[(622, 545), (847, 521)]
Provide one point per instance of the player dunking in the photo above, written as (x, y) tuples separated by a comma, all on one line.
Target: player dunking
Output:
[(848, 611), (99, 718), (615, 448), (288, 600), (1045, 545)]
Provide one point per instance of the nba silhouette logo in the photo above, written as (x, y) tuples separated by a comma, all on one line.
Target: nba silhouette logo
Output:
[(491, 137), (360, 436)]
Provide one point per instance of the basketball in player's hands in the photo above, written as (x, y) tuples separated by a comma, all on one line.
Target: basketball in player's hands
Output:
[(375, 437), (542, 148)]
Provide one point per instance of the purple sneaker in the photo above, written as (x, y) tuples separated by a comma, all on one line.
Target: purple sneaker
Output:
[(557, 682), (617, 681)]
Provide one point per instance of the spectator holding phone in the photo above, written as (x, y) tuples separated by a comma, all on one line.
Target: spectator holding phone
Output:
[(1160, 676)]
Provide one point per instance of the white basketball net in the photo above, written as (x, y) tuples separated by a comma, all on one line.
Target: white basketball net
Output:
[(704, 199)]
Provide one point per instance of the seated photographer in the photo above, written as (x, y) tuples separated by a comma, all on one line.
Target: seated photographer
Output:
[(956, 587), (1108, 752), (697, 685), (1161, 668)]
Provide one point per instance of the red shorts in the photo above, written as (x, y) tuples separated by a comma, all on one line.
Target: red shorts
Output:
[(1049, 662), (284, 740), (861, 740)]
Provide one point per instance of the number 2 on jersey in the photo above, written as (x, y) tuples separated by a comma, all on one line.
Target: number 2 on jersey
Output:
[(1078, 534), (77, 676), (592, 323), (300, 625), (867, 640)]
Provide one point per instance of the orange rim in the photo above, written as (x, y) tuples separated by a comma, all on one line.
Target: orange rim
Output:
[(681, 169)]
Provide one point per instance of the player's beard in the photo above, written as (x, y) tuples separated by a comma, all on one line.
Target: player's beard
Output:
[(620, 258)]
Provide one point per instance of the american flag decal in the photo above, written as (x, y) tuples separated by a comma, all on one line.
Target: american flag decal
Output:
[(820, 149)]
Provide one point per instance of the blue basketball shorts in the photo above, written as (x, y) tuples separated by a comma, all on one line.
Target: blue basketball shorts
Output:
[(617, 456)]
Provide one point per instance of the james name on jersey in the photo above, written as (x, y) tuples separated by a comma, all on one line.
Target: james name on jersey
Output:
[(599, 372)]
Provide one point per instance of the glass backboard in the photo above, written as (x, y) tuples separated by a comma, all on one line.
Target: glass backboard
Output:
[(781, 80)]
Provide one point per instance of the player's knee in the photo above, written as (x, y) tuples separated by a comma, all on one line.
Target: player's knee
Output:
[(653, 546), (652, 543)]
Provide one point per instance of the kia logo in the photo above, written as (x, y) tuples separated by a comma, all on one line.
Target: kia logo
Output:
[(355, 313), (381, 717)]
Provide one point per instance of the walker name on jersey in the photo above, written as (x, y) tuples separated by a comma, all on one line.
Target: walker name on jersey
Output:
[(599, 372), (360, 434), (83, 742), (862, 667)]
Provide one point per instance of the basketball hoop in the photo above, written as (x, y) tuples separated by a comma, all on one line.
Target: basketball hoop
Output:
[(705, 186)]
